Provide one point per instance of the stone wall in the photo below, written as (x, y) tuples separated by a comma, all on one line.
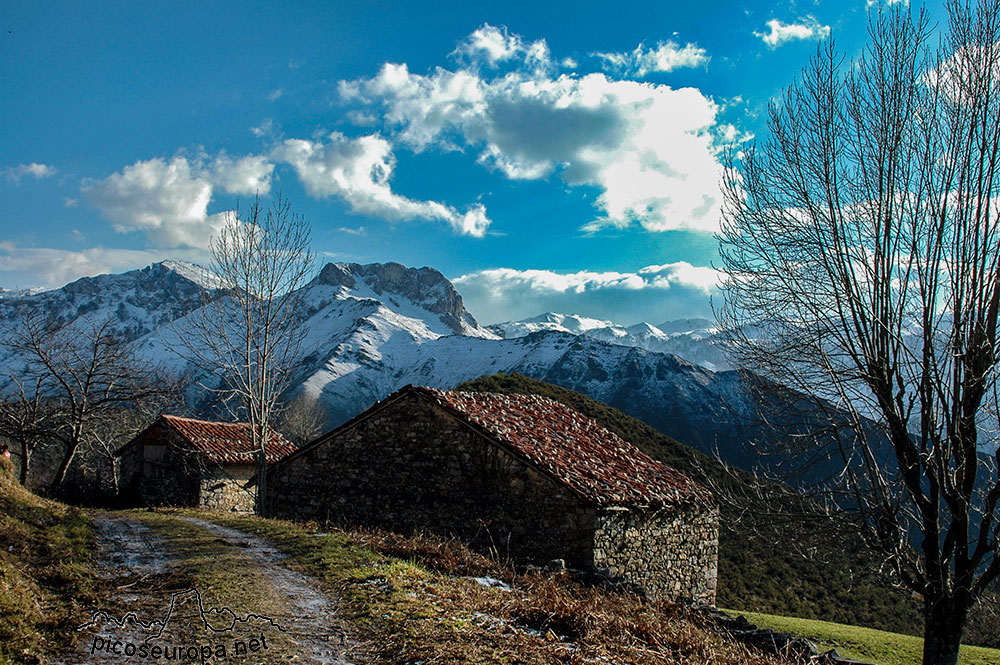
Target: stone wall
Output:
[(226, 487), (670, 553), (412, 466), (179, 476)]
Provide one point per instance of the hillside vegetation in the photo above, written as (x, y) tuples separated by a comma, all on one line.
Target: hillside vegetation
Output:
[(424, 599), (402, 599), (778, 568), (47, 579)]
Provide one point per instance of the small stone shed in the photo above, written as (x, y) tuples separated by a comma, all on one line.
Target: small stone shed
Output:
[(525, 475), (187, 462)]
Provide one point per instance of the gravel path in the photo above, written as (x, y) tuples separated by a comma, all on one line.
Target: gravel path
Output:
[(311, 617), (133, 553)]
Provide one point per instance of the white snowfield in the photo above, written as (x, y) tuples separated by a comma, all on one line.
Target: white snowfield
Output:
[(694, 340)]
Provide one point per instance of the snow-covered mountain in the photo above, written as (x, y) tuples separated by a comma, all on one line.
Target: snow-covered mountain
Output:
[(135, 302), (695, 340), (568, 323), (372, 329)]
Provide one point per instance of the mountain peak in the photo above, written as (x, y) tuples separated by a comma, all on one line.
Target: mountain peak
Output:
[(685, 325), (189, 271), (424, 287), (645, 328)]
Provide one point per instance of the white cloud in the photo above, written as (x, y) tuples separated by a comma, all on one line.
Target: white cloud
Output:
[(654, 293), (961, 73), (666, 57), (25, 267), (779, 33), (684, 274), (246, 175), (651, 150), (265, 128), (491, 45), (168, 201), (35, 170), (359, 171)]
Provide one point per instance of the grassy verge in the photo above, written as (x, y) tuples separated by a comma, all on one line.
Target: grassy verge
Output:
[(413, 600), (867, 644), (48, 584)]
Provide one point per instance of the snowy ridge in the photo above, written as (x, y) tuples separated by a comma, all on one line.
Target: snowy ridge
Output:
[(695, 340), (371, 329)]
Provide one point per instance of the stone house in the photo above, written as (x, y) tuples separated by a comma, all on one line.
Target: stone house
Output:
[(523, 475), (186, 462)]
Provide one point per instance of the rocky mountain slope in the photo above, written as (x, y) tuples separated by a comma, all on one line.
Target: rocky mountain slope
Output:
[(374, 328)]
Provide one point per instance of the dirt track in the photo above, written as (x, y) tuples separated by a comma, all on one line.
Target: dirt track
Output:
[(144, 560)]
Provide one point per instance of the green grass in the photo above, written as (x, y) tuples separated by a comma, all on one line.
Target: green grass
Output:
[(867, 644), (48, 582)]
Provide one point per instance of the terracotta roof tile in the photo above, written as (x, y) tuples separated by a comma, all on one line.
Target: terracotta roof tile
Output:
[(226, 442), (573, 449)]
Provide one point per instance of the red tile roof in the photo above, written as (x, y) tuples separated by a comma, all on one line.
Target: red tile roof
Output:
[(223, 443), (572, 449), (227, 442)]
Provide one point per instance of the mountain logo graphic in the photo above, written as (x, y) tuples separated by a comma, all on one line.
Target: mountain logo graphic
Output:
[(187, 632)]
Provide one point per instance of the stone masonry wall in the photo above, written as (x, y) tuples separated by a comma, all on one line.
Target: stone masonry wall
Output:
[(672, 553), (412, 466), (224, 487)]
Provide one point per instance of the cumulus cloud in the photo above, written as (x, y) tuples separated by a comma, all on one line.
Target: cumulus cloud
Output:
[(244, 175), (654, 293), (168, 200), (491, 45), (25, 267), (35, 170), (666, 57), (652, 151), (779, 33), (359, 171)]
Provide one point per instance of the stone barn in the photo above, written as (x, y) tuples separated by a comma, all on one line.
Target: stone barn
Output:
[(186, 462), (526, 476)]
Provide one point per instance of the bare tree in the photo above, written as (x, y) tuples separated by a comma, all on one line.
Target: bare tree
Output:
[(249, 337), (861, 244), (24, 415), (303, 419), (77, 378)]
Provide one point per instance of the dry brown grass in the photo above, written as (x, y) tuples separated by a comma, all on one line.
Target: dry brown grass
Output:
[(544, 618), (411, 599), (47, 578)]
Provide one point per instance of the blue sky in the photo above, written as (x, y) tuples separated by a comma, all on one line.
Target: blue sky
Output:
[(543, 155)]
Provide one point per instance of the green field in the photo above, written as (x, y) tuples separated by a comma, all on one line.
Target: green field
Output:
[(877, 646)]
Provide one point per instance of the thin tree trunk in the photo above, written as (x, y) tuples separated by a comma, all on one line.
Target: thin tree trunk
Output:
[(262, 482), (63, 467), (25, 462), (944, 623)]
